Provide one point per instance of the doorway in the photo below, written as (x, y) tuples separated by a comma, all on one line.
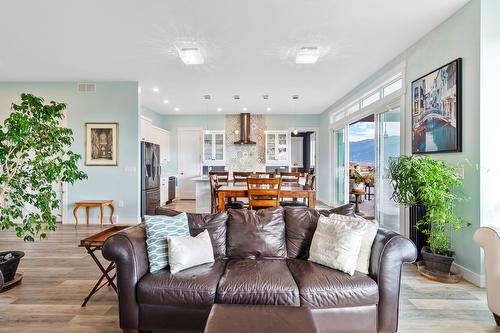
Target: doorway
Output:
[(361, 164), (303, 151), (189, 163), (362, 151)]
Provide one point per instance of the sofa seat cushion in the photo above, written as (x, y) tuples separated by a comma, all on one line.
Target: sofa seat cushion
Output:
[(323, 287), (258, 282), (193, 286)]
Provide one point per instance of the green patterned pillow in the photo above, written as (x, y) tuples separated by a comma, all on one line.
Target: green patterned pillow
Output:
[(158, 229)]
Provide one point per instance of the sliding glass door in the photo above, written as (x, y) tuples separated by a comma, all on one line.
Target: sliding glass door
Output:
[(339, 143), (388, 148)]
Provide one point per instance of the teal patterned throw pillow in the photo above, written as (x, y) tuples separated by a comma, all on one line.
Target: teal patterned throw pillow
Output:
[(158, 229)]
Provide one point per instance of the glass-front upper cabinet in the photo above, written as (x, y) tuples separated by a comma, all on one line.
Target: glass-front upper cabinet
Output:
[(214, 147), (277, 151)]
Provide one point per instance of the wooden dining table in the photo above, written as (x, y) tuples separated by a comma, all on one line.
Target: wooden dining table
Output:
[(293, 191)]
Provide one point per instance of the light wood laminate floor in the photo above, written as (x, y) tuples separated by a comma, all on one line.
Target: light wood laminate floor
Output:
[(58, 275)]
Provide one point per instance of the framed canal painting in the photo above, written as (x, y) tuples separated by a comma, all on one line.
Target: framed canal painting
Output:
[(437, 110), (101, 144)]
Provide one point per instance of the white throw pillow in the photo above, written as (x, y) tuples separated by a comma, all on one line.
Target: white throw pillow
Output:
[(186, 252), (371, 228), (336, 244)]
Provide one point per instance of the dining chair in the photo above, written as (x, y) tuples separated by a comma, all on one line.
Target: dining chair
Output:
[(311, 181), (214, 197), (240, 178), (222, 176), (290, 177), (265, 174), (263, 192)]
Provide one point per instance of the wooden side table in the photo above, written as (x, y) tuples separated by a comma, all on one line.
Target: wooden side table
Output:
[(94, 203), (94, 243)]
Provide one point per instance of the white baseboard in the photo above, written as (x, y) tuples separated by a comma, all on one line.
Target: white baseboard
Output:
[(325, 201), (470, 276)]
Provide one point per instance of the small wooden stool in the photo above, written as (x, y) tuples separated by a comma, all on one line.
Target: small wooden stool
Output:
[(94, 203)]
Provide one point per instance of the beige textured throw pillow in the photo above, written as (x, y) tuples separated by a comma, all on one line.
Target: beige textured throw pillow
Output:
[(187, 252), (371, 228), (336, 244)]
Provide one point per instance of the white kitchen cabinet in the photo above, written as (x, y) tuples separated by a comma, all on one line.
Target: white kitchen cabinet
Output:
[(214, 147), (145, 133), (277, 147), (155, 134)]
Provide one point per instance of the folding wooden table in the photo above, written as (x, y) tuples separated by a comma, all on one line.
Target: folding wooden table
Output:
[(94, 243)]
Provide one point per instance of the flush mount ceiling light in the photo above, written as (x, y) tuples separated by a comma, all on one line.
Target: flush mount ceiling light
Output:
[(307, 55), (191, 56)]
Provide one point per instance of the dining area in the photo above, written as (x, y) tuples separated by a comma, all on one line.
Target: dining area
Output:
[(257, 190)]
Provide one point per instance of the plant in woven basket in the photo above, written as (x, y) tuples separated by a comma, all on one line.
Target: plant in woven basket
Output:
[(34, 155)]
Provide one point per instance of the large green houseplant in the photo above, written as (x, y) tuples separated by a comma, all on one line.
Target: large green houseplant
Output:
[(34, 155), (433, 184)]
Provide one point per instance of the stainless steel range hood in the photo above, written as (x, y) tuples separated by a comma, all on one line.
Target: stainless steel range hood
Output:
[(245, 130)]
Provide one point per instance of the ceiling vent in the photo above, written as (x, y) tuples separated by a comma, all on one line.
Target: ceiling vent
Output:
[(86, 87)]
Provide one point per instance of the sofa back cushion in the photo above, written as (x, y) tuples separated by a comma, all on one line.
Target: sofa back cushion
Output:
[(301, 224), (256, 234), (214, 223)]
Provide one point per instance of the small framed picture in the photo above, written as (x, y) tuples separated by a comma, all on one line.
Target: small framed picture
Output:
[(101, 144), (437, 110)]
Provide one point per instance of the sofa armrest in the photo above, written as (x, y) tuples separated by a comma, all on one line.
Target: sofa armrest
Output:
[(127, 249), (389, 251)]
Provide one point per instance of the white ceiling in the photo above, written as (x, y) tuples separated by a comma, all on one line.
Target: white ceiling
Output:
[(249, 47)]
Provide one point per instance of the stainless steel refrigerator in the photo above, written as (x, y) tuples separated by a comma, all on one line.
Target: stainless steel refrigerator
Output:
[(150, 175)]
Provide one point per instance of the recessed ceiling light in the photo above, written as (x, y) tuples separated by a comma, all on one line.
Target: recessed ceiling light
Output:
[(219, 109), (244, 109), (307, 55), (156, 89), (236, 96), (207, 97), (176, 109), (268, 109), (165, 101), (191, 56), (295, 96), (265, 96)]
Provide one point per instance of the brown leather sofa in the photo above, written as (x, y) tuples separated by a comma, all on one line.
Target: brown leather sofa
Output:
[(261, 258)]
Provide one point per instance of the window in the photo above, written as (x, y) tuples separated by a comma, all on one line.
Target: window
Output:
[(370, 99), (392, 85)]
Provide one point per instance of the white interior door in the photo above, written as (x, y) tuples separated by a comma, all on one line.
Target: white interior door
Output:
[(189, 152)]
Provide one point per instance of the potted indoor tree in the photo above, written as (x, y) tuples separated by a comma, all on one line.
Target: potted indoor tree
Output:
[(421, 181), (34, 155)]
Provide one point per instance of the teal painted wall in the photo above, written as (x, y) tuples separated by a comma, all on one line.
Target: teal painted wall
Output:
[(112, 102), (156, 118), (458, 36)]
